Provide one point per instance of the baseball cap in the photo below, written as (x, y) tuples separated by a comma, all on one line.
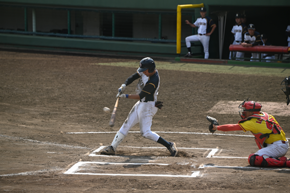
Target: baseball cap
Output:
[(238, 15), (243, 15), (251, 26), (202, 9)]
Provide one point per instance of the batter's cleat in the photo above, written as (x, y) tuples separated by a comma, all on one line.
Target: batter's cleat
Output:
[(188, 55), (108, 151), (173, 149)]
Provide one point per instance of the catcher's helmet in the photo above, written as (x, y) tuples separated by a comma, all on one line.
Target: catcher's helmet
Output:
[(147, 63), (251, 106)]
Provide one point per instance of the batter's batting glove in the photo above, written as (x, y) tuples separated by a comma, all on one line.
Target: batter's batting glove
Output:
[(159, 104), (121, 90), (213, 121), (123, 95)]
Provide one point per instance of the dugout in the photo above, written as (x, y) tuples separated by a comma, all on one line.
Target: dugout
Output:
[(130, 27)]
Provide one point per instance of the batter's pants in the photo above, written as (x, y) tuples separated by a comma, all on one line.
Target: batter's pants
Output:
[(204, 41), (142, 113)]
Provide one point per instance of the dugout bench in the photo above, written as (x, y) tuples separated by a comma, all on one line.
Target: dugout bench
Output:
[(280, 50)]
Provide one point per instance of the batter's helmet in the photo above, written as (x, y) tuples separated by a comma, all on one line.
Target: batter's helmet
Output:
[(147, 63), (250, 106)]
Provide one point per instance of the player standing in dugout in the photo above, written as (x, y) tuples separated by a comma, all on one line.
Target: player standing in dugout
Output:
[(206, 27), (269, 135), (238, 30), (144, 110)]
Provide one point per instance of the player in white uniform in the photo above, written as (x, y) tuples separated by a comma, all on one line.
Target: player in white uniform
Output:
[(144, 110), (288, 34), (204, 23), (252, 38), (238, 31)]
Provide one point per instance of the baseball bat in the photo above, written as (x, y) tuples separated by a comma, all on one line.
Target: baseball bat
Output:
[(113, 117)]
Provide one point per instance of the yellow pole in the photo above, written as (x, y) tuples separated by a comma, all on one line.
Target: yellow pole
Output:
[(178, 23)]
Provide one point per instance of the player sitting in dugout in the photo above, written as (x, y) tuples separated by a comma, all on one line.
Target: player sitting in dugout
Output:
[(269, 135), (252, 38)]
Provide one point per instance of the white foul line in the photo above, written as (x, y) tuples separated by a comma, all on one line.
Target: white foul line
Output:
[(168, 132), (43, 142), (75, 168), (30, 173)]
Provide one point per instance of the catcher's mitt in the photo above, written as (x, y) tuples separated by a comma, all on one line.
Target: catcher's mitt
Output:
[(213, 121)]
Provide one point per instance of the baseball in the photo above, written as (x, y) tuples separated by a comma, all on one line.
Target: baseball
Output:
[(106, 109)]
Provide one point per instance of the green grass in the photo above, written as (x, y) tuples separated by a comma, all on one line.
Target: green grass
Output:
[(209, 68)]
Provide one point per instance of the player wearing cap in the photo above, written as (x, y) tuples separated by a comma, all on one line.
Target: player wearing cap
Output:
[(269, 135), (238, 31), (252, 38), (206, 27), (144, 110), (268, 56)]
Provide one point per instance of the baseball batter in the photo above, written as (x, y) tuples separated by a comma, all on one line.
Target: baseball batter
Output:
[(269, 135), (238, 31), (144, 110), (206, 27)]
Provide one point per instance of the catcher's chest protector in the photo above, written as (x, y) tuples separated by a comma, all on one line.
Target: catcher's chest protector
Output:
[(273, 128)]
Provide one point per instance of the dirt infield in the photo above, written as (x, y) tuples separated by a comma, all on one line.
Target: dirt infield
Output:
[(53, 127)]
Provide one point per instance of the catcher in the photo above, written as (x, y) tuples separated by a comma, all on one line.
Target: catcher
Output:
[(269, 135)]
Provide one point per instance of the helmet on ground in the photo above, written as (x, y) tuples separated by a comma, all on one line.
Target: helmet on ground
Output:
[(147, 63), (250, 106)]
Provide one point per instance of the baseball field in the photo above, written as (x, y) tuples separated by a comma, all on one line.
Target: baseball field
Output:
[(53, 126)]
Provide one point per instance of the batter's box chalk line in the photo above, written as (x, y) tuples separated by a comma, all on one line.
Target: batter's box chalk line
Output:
[(202, 166), (77, 170), (167, 132), (95, 152)]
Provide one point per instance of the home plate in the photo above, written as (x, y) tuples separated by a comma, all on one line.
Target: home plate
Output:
[(231, 107)]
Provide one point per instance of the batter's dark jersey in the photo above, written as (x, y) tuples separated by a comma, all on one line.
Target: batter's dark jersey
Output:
[(150, 87)]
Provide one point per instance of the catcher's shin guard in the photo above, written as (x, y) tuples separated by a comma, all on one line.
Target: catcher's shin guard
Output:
[(266, 161)]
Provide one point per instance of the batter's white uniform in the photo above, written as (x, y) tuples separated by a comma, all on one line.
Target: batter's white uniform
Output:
[(288, 30), (203, 25), (143, 112)]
